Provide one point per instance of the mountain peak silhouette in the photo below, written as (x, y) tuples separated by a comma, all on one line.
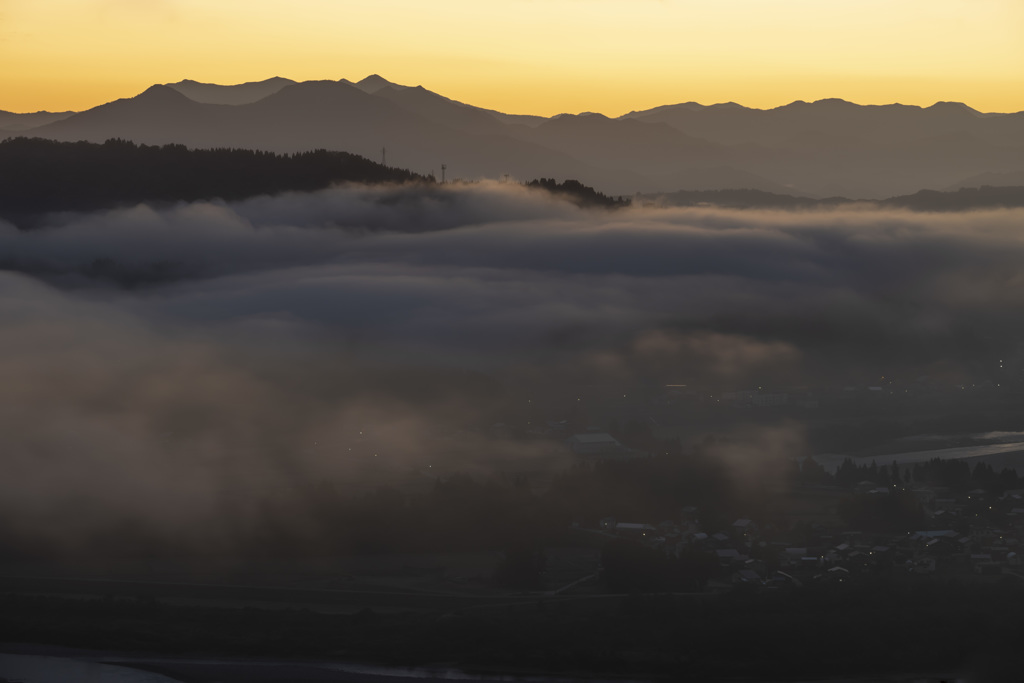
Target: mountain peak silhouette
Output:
[(954, 107), (160, 95), (242, 93), (834, 102), (375, 82)]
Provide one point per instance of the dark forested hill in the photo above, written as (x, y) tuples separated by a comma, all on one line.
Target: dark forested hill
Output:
[(42, 176), (578, 193)]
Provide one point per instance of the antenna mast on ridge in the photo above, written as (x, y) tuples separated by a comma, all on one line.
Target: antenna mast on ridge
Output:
[(383, 156), (444, 167)]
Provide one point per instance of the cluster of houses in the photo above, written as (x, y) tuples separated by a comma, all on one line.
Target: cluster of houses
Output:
[(978, 528), (973, 545)]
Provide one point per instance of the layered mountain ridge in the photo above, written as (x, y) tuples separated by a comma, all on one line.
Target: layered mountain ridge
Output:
[(817, 149)]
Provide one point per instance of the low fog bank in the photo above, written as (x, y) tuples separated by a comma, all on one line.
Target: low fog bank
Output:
[(200, 371), (120, 431), (499, 274)]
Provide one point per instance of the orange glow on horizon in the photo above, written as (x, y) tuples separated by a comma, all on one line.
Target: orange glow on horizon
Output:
[(526, 56)]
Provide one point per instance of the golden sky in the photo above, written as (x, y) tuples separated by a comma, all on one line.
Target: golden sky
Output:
[(526, 56)]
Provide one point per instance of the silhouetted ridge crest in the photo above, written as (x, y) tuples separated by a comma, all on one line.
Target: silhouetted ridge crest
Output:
[(957, 107), (372, 83), (312, 93), (234, 95)]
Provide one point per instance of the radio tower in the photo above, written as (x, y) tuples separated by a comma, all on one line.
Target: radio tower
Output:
[(444, 167), (383, 156)]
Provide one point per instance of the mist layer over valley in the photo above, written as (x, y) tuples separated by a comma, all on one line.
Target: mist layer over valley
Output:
[(197, 377), (598, 341)]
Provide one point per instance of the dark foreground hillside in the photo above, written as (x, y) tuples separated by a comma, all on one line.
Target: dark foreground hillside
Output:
[(43, 176)]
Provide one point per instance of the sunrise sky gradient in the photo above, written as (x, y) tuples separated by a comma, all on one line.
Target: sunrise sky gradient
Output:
[(526, 56)]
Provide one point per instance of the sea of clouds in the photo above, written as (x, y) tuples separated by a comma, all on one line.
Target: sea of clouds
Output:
[(176, 365)]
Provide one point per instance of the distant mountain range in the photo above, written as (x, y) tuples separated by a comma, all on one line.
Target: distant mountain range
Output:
[(964, 199), (814, 149)]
